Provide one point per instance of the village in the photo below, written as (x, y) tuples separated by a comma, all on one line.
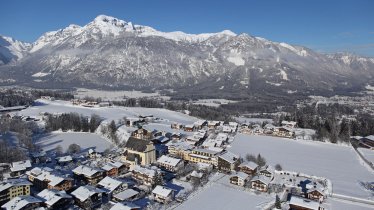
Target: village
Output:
[(159, 169), (148, 160)]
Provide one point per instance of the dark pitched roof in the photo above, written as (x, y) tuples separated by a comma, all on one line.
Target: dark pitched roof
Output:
[(136, 144)]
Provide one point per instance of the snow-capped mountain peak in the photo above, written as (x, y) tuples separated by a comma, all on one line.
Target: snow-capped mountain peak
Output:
[(11, 49)]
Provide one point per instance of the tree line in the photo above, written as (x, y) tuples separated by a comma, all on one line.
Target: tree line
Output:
[(19, 97), (72, 121), (331, 122), (23, 131)]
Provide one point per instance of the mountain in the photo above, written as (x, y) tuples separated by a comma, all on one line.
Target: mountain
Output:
[(112, 53), (12, 50)]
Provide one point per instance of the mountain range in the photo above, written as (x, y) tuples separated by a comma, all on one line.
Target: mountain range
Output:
[(111, 53)]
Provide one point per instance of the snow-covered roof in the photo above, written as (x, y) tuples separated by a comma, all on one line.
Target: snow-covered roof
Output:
[(84, 192), (168, 160), (213, 122), (229, 157), (189, 126), (306, 203), (146, 171), (52, 196), (251, 165), (110, 183), (45, 173), (210, 150), (261, 178), (20, 165), (86, 170), (371, 137), (20, 202), (182, 145), (124, 206), (110, 165), (291, 123), (128, 193), (241, 175), (222, 136), (64, 159), (162, 139), (197, 174), (162, 191), (13, 182)]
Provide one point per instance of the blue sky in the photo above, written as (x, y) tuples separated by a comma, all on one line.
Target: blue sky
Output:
[(323, 25)]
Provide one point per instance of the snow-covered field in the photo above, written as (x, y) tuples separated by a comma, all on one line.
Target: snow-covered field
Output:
[(368, 154), (108, 113), (340, 164), (84, 140), (253, 120), (213, 102), (218, 196), (335, 204), (115, 95)]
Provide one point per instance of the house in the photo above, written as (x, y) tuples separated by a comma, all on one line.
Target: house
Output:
[(226, 129), (88, 175), (288, 124), (206, 156), (266, 171), (39, 157), (125, 195), (316, 194), (163, 194), (228, 162), (233, 126), (299, 203), (55, 199), (114, 168), (260, 183), (313, 190), (284, 132), (176, 126), (189, 128), (92, 153), (125, 206), (44, 178), (200, 124), (239, 179), (19, 168), (65, 160), (88, 197), (12, 188), (144, 175), (249, 168), (170, 163), (111, 186), (142, 133), (213, 124), (176, 136), (139, 151), (105, 104), (23, 202), (180, 149)]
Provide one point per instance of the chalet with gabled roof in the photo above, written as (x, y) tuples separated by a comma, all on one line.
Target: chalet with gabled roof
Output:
[(88, 175), (239, 179), (228, 162), (249, 168)]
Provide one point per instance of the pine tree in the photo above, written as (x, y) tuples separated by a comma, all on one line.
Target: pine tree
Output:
[(278, 204)]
